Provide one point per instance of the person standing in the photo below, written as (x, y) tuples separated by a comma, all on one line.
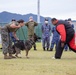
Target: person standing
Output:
[(66, 46), (5, 36), (67, 35), (55, 38), (31, 26), (70, 22), (46, 35), (72, 25)]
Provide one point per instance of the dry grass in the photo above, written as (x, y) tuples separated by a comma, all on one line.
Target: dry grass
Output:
[(39, 63)]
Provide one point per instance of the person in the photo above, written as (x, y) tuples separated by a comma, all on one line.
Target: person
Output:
[(6, 41), (46, 28), (12, 37), (67, 35), (11, 33), (70, 22), (55, 38), (31, 26), (66, 46)]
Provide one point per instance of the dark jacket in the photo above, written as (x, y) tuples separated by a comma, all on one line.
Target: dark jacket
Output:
[(65, 30)]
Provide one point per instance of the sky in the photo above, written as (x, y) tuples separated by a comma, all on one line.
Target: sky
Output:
[(60, 9)]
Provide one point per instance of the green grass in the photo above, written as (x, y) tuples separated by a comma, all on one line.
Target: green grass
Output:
[(39, 63)]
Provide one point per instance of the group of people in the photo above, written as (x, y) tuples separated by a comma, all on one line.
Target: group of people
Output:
[(63, 35)]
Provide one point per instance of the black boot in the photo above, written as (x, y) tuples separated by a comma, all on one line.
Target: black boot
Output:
[(51, 49), (47, 49), (44, 48)]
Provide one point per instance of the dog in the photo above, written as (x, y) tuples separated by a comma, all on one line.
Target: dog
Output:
[(22, 45)]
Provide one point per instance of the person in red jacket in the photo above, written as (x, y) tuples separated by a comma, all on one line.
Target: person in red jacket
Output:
[(67, 35)]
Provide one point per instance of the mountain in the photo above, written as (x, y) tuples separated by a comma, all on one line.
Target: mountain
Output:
[(6, 17)]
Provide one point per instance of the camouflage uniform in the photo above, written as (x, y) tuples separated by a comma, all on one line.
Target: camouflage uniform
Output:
[(6, 40), (31, 25)]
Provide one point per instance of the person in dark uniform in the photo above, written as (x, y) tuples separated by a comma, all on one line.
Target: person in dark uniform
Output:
[(55, 38), (46, 28), (70, 22)]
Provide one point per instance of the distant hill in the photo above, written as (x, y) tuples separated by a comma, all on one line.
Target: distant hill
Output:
[(6, 17)]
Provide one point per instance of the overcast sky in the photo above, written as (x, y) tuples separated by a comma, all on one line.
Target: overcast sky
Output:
[(61, 9)]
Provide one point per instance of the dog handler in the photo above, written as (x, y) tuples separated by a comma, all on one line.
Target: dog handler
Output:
[(6, 41), (67, 34)]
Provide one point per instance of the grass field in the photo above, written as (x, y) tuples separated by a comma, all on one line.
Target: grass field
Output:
[(39, 63)]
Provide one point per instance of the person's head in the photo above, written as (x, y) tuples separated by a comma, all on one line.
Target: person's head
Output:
[(46, 21), (69, 21), (13, 20), (66, 20), (30, 18), (21, 22), (54, 21)]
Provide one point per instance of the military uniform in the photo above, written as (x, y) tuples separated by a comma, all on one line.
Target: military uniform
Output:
[(31, 25), (6, 40)]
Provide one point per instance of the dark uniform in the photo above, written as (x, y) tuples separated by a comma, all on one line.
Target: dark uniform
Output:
[(55, 38), (46, 28)]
